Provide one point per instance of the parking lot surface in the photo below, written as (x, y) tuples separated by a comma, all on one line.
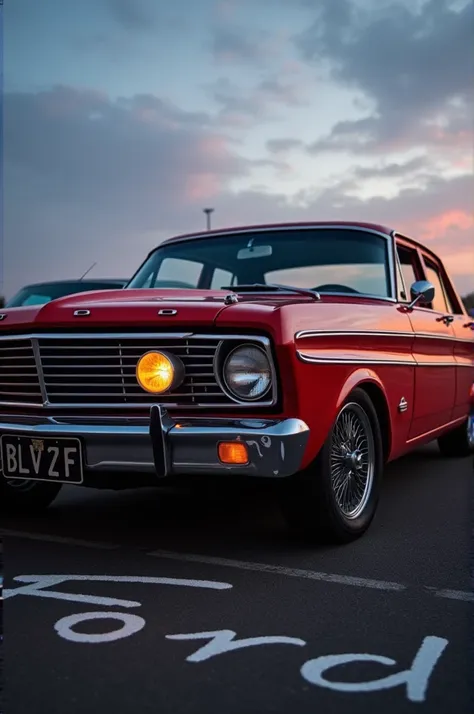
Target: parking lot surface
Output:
[(199, 602)]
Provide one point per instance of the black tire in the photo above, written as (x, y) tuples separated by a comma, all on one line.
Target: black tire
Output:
[(26, 496), (309, 501), (456, 443)]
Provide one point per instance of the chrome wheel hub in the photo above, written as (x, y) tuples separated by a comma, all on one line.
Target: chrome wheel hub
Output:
[(352, 460)]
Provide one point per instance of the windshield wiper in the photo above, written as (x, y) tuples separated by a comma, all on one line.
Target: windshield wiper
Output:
[(272, 287)]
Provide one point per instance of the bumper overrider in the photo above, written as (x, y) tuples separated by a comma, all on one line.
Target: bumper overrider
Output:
[(164, 447)]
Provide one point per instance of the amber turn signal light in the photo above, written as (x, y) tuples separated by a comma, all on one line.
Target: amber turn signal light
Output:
[(233, 452)]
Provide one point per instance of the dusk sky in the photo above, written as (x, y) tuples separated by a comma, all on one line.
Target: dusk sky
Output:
[(124, 118)]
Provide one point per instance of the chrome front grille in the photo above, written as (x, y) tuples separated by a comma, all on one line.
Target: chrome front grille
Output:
[(102, 370), (19, 380), (99, 371)]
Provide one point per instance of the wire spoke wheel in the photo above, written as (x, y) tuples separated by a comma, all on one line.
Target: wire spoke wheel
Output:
[(352, 460)]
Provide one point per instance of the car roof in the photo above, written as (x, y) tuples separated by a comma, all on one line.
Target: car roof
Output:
[(280, 226)]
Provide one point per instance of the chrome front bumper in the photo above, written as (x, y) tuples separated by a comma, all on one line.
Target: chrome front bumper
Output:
[(166, 447)]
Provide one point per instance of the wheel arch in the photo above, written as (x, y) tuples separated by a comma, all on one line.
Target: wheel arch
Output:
[(371, 384)]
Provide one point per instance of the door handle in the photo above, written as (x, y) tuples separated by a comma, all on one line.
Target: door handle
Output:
[(447, 319), (469, 324)]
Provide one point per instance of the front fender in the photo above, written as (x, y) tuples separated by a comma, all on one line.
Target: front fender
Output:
[(322, 389)]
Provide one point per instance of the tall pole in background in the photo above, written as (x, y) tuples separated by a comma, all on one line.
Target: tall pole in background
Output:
[(208, 212)]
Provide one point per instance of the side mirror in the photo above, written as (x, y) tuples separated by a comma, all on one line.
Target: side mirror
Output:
[(422, 293)]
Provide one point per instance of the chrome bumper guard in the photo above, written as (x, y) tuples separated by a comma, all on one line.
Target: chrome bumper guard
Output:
[(167, 447)]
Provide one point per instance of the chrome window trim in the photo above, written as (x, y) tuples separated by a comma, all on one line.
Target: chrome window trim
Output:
[(262, 341), (235, 232), (399, 272)]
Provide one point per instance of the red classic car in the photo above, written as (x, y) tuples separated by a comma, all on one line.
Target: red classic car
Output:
[(310, 354)]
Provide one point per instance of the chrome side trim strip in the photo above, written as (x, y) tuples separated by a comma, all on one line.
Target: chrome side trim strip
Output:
[(359, 361), (306, 334), (354, 360)]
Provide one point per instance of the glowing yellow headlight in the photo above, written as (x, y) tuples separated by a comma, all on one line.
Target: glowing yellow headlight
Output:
[(157, 372)]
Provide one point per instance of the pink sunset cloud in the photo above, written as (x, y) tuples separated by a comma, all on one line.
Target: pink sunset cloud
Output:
[(439, 225)]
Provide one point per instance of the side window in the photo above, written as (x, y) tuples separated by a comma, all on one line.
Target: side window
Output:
[(440, 302), (407, 272), (221, 278)]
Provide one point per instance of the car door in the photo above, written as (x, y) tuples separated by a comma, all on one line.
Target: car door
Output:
[(464, 354), (463, 327), (433, 346)]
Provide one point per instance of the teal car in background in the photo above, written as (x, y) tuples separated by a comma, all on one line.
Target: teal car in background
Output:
[(41, 293)]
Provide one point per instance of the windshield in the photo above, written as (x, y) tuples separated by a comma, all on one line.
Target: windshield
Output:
[(327, 260), (41, 294)]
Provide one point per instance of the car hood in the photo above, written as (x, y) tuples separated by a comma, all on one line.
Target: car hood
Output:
[(164, 309)]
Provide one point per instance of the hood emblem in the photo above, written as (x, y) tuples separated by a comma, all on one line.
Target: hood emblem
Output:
[(167, 312), (81, 313), (3, 315)]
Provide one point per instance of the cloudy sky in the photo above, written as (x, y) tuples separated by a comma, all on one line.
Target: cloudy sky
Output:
[(124, 118)]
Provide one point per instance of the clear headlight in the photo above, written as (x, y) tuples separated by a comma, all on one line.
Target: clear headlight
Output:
[(247, 373)]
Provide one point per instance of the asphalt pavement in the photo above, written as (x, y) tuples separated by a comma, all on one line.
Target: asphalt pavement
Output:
[(199, 602)]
